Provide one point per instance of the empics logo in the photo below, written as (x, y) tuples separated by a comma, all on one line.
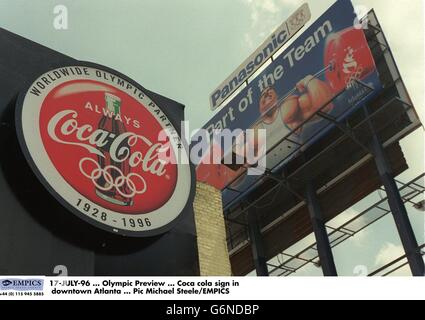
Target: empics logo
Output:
[(22, 284), (6, 283)]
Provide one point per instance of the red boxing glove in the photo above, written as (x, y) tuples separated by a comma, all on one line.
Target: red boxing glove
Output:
[(350, 57)]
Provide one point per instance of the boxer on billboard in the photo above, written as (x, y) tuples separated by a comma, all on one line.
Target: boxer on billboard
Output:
[(347, 59)]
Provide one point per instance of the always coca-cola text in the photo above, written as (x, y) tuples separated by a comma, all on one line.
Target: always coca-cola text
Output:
[(86, 137)]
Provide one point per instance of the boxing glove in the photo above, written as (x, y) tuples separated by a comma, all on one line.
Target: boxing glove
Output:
[(350, 58)]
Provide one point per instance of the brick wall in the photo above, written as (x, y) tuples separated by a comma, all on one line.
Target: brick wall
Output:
[(211, 232)]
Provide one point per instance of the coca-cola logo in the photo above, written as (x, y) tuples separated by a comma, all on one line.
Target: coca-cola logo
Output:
[(105, 148)]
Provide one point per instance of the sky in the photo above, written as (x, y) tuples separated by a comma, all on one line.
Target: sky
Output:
[(184, 49)]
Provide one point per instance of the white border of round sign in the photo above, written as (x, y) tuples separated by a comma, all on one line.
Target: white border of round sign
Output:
[(27, 125)]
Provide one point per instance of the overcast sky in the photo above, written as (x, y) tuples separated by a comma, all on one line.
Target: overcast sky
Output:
[(184, 48)]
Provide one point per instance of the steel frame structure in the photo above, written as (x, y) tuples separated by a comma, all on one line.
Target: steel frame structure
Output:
[(410, 191), (241, 209)]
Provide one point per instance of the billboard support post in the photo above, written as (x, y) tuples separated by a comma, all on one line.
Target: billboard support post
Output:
[(398, 209), (319, 228), (257, 244)]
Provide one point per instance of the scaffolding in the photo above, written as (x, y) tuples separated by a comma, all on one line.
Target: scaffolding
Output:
[(412, 193)]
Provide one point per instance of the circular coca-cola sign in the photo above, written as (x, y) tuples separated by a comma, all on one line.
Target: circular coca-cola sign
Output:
[(104, 149)]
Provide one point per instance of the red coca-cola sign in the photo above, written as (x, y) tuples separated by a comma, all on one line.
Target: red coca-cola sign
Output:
[(105, 149)]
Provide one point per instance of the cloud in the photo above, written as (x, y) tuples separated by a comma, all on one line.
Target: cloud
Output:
[(248, 40), (262, 6), (344, 217), (291, 3), (404, 32), (361, 238), (388, 253), (265, 16)]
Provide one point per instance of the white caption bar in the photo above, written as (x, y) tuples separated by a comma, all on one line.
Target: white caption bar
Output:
[(210, 288)]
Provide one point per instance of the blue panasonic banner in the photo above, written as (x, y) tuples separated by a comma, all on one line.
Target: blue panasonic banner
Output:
[(328, 69)]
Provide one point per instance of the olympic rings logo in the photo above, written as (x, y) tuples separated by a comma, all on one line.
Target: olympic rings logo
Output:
[(298, 19), (120, 182)]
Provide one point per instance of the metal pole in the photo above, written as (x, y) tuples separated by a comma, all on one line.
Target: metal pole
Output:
[(319, 228), (257, 244), (398, 209)]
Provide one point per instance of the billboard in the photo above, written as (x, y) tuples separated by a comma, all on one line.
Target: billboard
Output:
[(283, 218), (328, 69)]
